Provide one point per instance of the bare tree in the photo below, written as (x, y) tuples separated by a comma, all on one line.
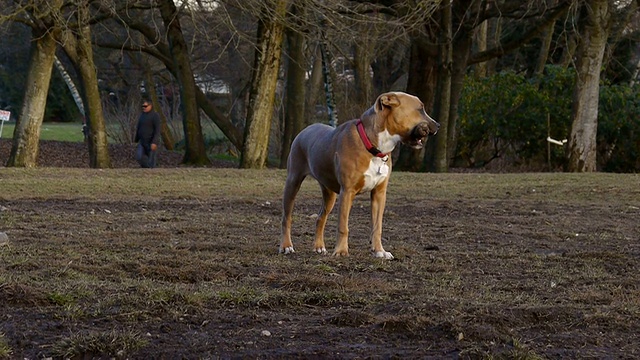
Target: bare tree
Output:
[(76, 41), (595, 20), (26, 136), (441, 160), (296, 87), (195, 151), (72, 30), (263, 85), (157, 47)]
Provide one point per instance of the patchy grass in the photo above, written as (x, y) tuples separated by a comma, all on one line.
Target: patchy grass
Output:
[(89, 345), (5, 349), (183, 263)]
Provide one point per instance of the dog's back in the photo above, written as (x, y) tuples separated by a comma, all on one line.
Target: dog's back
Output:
[(312, 153)]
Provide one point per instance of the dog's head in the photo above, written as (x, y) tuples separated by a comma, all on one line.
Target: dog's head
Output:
[(406, 118)]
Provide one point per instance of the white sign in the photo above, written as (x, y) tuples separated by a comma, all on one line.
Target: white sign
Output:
[(5, 115)]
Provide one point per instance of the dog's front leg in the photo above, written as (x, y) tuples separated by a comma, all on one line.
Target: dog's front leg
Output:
[(345, 200), (378, 201), (328, 201)]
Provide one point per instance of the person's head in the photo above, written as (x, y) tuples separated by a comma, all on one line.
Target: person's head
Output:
[(146, 106)]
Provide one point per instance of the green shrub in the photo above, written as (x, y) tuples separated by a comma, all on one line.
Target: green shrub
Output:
[(619, 128), (509, 116)]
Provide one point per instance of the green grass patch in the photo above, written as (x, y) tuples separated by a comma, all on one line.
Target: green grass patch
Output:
[(112, 344), (5, 349), (51, 131)]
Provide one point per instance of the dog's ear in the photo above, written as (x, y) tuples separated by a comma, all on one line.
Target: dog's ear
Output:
[(386, 100)]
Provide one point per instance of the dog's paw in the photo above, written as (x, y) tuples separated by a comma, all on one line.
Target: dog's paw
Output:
[(341, 253), (287, 250), (321, 251), (383, 255)]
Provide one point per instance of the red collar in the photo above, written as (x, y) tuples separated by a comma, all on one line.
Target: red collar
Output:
[(367, 143)]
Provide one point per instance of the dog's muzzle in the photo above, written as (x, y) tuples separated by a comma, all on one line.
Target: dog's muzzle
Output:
[(418, 136)]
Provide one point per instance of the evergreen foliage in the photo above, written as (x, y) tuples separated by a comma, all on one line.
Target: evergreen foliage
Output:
[(509, 116)]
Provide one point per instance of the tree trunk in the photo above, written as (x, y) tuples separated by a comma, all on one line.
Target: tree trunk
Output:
[(26, 136), (223, 122), (547, 37), (78, 48), (314, 86), (482, 38), (73, 89), (443, 103), (593, 39), (97, 141), (388, 67), (494, 34), (422, 82), (461, 51), (195, 151), (295, 108), (446, 139), (364, 54), (568, 51), (328, 76), (263, 88)]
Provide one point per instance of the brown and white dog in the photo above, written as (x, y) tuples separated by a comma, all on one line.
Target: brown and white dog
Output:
[(351, 159)]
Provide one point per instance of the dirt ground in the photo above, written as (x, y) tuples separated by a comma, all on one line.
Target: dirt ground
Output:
[(511, 274)]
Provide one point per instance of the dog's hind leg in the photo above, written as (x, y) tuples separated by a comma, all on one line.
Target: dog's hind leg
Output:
[(328, 201), (291, 188)]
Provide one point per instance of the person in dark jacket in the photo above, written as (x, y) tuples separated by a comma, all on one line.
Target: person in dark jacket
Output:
[(147, 136)]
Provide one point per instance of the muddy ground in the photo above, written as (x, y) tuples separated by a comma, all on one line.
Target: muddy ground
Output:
[(487, 266)]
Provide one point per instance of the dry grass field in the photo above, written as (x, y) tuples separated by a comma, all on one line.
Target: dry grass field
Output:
[(183, 263)]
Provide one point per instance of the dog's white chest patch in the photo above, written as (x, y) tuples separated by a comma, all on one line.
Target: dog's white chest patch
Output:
[(376, 173)]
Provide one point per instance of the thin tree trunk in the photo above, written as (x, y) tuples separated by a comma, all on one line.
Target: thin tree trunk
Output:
[(547, 36), (314, 85), (263, 88), (73, 89), (78, 49), (636, 72), (26, 136), (328, 76), (593, 40), (461, 51), (482, 38), (441, 161), (98, 142), (223, 122), (195, 150), (364, 55), (295, 108), (494, 33), (165, 131), (422, 82), (568, 51)]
